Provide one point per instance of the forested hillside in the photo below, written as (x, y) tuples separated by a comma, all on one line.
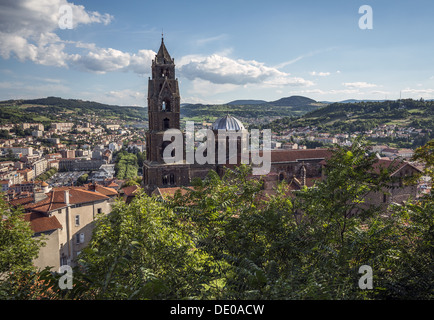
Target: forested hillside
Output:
[(54, 109), (361, 116)]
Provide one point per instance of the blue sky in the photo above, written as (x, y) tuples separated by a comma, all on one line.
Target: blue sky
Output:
[(224, 50)]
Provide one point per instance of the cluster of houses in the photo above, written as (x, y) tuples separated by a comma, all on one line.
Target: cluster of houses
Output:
[(26, 158), (293, 138), (64, 213)]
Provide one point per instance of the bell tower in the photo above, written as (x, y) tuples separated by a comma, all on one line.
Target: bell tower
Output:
[(164, 104)]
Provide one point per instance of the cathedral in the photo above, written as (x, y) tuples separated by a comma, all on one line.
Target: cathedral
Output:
[(164, 104)]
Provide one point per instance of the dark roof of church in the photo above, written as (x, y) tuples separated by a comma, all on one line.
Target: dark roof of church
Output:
[(163, 56)]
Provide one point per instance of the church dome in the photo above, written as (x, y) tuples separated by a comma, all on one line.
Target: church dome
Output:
[(228, 123)]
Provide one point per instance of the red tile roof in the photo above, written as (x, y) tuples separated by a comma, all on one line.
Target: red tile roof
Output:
[(56, 199), (131, 190), (101, 189), (21, 201), (41, 223), (394, 165), (293, 155)]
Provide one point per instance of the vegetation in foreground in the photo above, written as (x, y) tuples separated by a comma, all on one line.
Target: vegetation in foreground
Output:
[(226, 240)]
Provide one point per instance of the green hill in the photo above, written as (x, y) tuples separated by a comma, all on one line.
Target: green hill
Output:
[(292, 106), (52, 109), (294, 101), (361, 116)]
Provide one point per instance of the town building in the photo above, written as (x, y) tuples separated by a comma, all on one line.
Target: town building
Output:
[(62, 126), (39, 167), (64, 217)]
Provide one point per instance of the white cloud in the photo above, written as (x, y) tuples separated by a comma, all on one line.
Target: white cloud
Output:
[(27, 30), (102, 60), (360, 85), (205, 87), (319, 74), (427, 93), (220, 69), (327, 92)]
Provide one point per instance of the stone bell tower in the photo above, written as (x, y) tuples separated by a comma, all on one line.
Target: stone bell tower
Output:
[(164, 105)]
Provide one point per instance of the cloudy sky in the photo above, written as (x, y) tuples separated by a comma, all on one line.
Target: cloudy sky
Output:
[(223, 50)]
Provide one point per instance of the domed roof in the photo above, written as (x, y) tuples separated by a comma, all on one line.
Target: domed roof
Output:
[(228, 123)]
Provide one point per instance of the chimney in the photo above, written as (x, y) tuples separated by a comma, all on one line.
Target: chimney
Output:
[(66, 192), (92, 186)]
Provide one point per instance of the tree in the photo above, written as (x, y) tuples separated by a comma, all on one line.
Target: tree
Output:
[(139, 251), (17, 250), (413, 272), (126, 166), (82, 179)]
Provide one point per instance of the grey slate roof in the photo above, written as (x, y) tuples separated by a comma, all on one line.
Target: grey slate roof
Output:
[(228, 123)]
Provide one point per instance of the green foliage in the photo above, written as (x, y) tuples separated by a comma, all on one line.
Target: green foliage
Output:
[(46, 110), (277, 109), (82, 179), (126, 166), (17, 249), (47, 175), (361, 116), (140, 251)]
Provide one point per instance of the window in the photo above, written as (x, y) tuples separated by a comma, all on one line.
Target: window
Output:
[(99, 210), (281, 177), (165, 180), (79, 238), (166, 124), (384, 198), (63, 261), (166, 105), (77, 220), (172, 178), (59, 211)]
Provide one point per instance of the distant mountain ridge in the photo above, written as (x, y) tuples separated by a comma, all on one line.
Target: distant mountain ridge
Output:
[(61, 102), (293, 101), (48, 110), (241, 102)]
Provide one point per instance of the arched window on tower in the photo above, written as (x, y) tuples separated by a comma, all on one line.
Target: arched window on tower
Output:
[(166, 124), (165, 106), (172, 178), (165, 180), (281, 177)]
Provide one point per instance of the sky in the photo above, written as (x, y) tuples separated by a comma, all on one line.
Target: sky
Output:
[(224, 50)]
